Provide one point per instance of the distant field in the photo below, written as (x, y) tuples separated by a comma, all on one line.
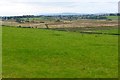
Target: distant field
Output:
[(114, 31), (38, 19), (49, 18), (112, 17), (41, 53)]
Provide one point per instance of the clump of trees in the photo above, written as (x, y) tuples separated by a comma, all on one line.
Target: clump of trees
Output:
[(58, 20)]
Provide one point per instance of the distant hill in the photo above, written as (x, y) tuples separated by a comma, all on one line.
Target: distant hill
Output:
[(62, 14)]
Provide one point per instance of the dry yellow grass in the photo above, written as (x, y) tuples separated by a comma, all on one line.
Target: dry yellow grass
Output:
[(64, 24)]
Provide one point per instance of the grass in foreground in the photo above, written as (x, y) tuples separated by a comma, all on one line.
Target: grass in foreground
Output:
[(36, 53), (0, 52)]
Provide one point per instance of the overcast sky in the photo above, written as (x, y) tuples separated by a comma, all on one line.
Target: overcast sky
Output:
[(36, 7)]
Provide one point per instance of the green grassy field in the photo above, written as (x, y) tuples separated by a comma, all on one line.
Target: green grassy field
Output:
[(112, 17), (113, 31), (39, 53)]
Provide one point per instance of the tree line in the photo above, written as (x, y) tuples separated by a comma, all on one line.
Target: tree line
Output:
[(60, 17)]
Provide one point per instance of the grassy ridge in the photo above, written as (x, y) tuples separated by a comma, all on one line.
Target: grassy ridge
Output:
[(31, 53)]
